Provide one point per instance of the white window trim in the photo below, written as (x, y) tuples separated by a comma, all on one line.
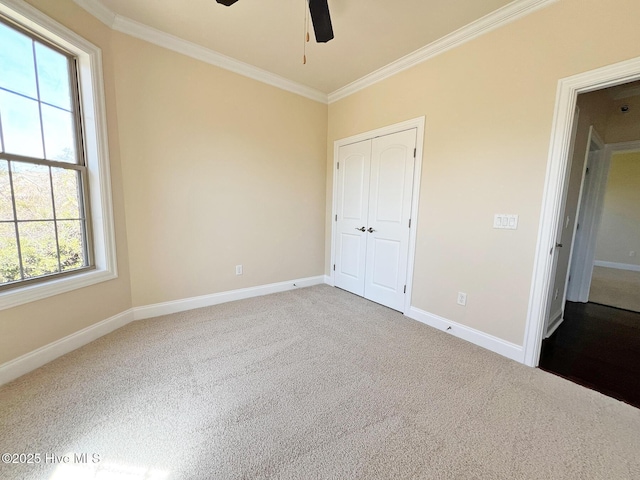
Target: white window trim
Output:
[(94, 122)]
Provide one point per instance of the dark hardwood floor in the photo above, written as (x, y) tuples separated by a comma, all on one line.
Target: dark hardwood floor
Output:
[(598, 347)]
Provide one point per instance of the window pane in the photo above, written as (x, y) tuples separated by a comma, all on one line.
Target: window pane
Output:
[(32, 190), (9, 262), (16, 62), (20, 125), (38, 248), (6, 207), (53, 77), (66, 193), (59, 141), (71, 241)]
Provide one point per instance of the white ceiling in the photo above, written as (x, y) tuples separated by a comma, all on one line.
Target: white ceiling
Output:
[(269, 34)]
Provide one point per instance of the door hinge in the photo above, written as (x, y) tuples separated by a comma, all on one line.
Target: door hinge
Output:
[(577, 226), (415, 152), (338, 165), (587, 172), (334, 267), (405, 289), (336, 217), (569, 279), (409, 223)]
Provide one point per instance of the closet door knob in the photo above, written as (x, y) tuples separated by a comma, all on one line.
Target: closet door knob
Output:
[(362, 229), (371, 230)]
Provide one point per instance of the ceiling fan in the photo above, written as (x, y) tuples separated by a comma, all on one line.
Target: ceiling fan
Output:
[(319, 16)]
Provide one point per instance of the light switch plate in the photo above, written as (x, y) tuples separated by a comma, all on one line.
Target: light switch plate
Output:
[(505, 221)]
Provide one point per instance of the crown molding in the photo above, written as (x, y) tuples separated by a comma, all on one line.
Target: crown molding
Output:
[(166, 40), (157, 37), (510, 12), (98, 10)]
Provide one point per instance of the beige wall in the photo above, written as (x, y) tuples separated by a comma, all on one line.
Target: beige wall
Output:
[(619, 232), (489, 108), (219, 170), (30, 326)]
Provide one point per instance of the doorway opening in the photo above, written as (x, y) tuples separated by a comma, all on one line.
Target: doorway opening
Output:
[(588, 318)]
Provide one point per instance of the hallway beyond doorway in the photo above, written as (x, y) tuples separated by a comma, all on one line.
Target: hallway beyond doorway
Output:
[(615, 288), (598, 347)]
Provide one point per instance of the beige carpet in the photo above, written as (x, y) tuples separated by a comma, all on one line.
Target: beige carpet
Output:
[(310, 384), (616, 288)]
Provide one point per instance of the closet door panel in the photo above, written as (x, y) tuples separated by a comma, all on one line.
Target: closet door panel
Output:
[(353, 177), (390, 193)]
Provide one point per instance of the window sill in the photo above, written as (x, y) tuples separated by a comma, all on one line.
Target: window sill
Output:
[(31, 293)]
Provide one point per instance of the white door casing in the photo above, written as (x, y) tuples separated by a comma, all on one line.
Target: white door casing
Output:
[(390, 193), (353, 175)]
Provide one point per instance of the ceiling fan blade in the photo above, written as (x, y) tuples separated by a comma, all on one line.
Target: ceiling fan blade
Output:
[(321, 20), (227, 3)]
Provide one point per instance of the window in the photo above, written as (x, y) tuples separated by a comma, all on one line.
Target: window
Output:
[(43, 227), (56, 222)]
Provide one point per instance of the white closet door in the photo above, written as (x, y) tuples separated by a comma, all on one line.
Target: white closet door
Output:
[(352, 208), (390, 193)]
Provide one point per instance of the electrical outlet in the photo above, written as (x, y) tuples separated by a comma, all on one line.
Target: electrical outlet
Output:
[(632, 253), (556, 295), (238, 269), (462, 299)]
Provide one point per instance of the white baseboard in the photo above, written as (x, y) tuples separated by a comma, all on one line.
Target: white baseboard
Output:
[(495, 344), (43, 355), (554, 322), (37, 358), (166, 308), (619, 266), (328, 280)]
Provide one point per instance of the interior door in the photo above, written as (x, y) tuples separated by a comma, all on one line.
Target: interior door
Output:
[(584, 244), (564, 236), (390, 193), (354, 165)]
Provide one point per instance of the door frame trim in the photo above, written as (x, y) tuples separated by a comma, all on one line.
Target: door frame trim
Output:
[(566, 98), (418, 124)]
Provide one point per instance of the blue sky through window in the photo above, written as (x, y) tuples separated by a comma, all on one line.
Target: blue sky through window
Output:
[(32, 72)]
